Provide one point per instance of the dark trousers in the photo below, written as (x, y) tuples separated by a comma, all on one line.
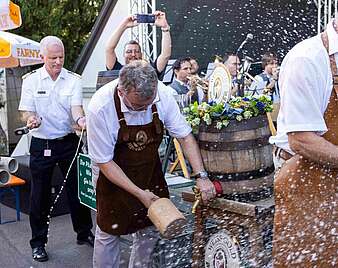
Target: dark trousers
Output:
[(62, 153)]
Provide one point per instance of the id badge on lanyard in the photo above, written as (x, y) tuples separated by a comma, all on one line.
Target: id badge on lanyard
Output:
[(47, 152)]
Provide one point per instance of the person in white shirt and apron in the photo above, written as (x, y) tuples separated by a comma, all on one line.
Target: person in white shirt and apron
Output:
[(126, 120), (306, 155)]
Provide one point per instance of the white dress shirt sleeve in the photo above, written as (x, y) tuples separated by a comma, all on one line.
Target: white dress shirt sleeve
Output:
[(77, 93), (302, 91), (27, 96), (101, 143)]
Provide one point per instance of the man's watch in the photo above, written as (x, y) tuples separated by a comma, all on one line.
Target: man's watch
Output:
[(165, 29), (201, 175)]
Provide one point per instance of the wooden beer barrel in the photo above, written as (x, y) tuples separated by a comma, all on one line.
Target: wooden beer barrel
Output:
[(104, 77), (239, 156)]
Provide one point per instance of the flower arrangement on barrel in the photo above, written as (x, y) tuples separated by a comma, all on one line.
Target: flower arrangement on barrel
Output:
[(221, 114)]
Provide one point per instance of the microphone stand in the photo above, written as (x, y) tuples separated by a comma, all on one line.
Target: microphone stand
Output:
[(240, 90), (240, 83)]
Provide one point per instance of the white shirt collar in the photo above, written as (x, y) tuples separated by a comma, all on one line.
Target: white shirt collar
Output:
[(333, 38), (181, 83), (45, 74)]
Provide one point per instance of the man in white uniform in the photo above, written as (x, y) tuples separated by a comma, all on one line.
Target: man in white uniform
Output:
[(51, 102), (126, 119)]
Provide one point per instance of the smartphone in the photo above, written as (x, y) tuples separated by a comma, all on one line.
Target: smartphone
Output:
[(145, 18)]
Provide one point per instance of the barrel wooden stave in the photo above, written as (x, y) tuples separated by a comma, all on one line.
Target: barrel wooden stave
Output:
[(239, 155), (236, 162), (230, 151)]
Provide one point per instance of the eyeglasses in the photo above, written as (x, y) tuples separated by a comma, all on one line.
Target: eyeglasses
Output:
[(130, 51), (135, 106)]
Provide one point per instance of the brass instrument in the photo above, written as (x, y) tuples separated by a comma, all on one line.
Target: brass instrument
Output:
[(248, 78), (218, 59), (245, 67), (196, 81)]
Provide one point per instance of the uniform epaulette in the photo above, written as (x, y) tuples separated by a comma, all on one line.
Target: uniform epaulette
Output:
[(28, 74), (75, 74)]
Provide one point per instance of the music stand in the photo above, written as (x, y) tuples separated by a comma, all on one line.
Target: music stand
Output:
[(255, 68), (168, 73), (104, 77)]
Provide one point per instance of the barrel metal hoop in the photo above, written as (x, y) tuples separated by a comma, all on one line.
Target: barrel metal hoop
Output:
[(231, 146), (239, 176)]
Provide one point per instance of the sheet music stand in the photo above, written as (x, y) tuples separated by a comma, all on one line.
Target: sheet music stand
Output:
[(104, 77), (255, 68), (169, 73)]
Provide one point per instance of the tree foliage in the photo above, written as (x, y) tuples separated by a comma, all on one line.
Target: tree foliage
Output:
[(70, 20)]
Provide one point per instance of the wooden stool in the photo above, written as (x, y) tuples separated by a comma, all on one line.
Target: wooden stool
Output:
[(179, 160), (12, 186)]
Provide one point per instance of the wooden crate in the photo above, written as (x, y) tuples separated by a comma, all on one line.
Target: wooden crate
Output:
[(243, 237)]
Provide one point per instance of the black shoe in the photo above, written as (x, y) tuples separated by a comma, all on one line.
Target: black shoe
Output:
[(39, 254), (89, 240)]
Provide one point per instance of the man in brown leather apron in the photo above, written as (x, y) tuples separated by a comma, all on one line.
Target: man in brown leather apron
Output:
[(305, 224), (126, 119)]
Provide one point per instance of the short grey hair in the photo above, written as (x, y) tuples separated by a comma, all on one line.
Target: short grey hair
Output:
[(48, 41), (140, 76)]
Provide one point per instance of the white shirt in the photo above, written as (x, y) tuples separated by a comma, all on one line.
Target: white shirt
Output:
[(257, 87), (51, 100), (305, 88), (103, 125), (259, 84)]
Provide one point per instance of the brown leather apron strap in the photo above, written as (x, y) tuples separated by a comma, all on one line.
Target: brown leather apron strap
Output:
[(156, 119), (120, 116)]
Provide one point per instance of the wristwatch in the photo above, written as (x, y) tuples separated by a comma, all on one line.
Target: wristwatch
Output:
[(165, 29), (201, 175)]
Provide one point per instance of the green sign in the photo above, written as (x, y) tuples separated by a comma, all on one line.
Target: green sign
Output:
[(86, 189)]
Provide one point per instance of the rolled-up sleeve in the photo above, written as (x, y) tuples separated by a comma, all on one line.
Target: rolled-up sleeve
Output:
[(27, 96)]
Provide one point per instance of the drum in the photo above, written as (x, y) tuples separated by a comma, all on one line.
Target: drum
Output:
[(220, 85)]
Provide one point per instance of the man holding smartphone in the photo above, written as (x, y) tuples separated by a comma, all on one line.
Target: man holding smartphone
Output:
[(132, 50)]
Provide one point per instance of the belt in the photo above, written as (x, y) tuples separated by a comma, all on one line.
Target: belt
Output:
[(281, 153), (58, 139)]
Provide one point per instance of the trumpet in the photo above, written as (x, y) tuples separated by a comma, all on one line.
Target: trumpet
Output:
[(247, 76), (218, 59), (199, 82)]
